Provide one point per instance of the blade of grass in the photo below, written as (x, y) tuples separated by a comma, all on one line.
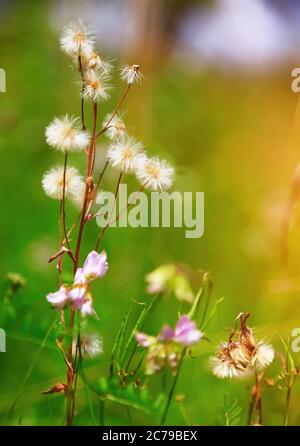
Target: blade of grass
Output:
[(30, 369)]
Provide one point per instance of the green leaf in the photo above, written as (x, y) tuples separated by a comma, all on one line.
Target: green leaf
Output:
[(115, 354), (131, 396), (229, 411)]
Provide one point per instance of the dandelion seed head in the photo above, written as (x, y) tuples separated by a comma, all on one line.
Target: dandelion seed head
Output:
[(53, 182), (66, 135), (155, 174), (222, 368), (91, 345), (131, 74), (76, 37), (264, 355), (95, 86), (78, 198), (116, 128), (126, 154), (229, 360)]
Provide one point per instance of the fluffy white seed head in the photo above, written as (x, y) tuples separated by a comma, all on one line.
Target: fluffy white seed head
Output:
[(91, 345), (53, 182), (78, 198), (155, 174), (116, 128), (223, 368), (126, 154), (66, 135), (131, 74), (95, 86), (264, 355), (75, 38)]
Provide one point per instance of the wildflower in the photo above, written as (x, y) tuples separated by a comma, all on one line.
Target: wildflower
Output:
[(95, 86), (126, 154), (91, 345), (116, 127), (76, 37), (144, 340), (155, 174), (53, 182), (65, 134), (87, 308), (166, 347), (59, 299), (186, 332), (170, 278), (95, 266), (76, 296), (131, 74)]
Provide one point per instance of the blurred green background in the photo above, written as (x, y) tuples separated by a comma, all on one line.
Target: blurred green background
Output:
[(232, 133)]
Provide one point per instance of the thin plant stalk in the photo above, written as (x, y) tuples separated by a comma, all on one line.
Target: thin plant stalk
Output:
[(103, 130), (173, 386), (70, 372)]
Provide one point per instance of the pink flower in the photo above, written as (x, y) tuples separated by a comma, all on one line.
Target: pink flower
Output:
[(60, 298), (79, 278), (77, 294), (94, 266), (144, 340), (87, 308), (166, 334), (186, 332)]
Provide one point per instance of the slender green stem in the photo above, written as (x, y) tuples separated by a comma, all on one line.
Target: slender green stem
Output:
[(173, 386), (101, 411), (30, 369)]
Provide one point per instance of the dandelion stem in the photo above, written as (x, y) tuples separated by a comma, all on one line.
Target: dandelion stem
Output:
[(82, 90), (103, 130), (288, 403), (101, 175), (70, 408)]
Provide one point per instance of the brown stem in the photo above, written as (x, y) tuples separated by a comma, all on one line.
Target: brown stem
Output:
[(101, 175), (59, 266), (82, 91), (66, 239), (115, 111), (89, 185), (258, 401)]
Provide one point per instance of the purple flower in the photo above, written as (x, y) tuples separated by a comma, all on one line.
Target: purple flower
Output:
[(144, 340), (60, 298), (94, 266), (166, 334), (87, 308), (186, 332), (77, 294), (79, 278)]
